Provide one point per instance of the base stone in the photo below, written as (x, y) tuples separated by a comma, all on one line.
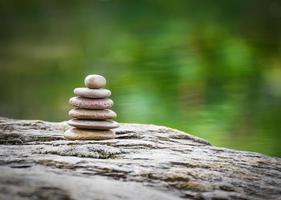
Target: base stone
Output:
[(81, 134)]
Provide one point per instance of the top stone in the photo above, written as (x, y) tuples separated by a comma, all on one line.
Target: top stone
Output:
[(95, 81)]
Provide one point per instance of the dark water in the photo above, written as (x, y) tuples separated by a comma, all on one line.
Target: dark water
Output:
[(212, 69)]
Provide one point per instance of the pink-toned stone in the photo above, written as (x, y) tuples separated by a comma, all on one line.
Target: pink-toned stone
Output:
[(79, 113), (82, 134), (87, 103), (92, 93), (91, 124)]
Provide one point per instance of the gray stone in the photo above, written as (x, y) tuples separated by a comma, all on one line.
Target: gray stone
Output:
[(92, 93), (91, 124), (143, 162), (79, 113), (95, 81), (82, 134), (87, 103)]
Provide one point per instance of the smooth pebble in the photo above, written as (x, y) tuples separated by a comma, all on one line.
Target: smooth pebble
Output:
[(79, 113), (82, 134), (92, 93), (87, 103), (95, 81), (91, 124)]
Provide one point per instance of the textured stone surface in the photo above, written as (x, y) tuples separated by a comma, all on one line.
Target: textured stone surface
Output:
[(92, 93), (92, 114), (91, 124), (143, 162), (86, 103), (80, 134), (95, 81)]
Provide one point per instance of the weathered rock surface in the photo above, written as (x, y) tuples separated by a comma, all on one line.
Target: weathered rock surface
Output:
[(143, 162)]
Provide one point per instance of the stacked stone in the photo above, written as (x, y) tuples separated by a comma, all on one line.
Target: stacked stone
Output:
[(91, 114)]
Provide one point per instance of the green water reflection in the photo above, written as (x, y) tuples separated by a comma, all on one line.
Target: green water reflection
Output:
[(212, 69)]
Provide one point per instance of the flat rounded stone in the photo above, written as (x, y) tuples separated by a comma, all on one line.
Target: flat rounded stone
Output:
[(91, 124), (92, 93), (87, 103), (95, 81), (81, 134), (79, 113)]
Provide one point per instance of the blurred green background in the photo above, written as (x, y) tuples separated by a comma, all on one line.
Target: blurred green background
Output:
[(210, 68)]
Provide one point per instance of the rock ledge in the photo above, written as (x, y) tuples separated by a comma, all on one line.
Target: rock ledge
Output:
[(143, 162)]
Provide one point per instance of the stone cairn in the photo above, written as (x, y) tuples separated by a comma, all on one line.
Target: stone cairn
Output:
[(91, 114)]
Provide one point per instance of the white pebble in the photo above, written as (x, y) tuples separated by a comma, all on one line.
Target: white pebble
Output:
[(95, 81)]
